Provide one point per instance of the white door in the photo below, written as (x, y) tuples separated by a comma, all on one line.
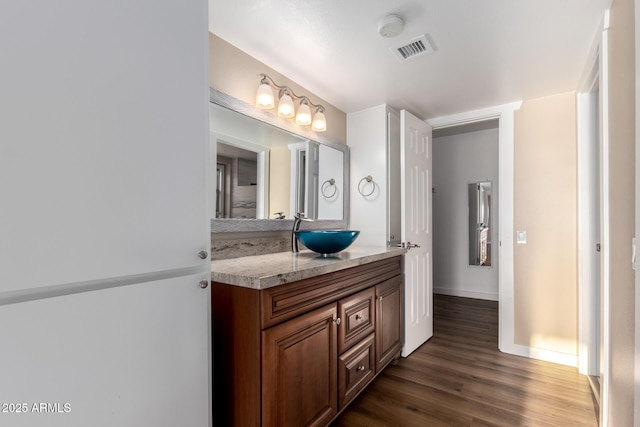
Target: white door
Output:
[(108, 180), (103, 213), (122, 356), (415, 181)]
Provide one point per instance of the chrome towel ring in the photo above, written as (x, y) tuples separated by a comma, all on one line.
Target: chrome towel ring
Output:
[(325, 188), (368, 180)]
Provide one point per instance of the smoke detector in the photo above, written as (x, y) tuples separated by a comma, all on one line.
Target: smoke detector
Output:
[(390, 26)]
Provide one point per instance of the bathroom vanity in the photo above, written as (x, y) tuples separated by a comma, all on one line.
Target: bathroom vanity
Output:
[(297, 336)]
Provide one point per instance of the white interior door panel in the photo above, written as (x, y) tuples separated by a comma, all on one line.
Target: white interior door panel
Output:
[(416, 230), (133, 355)]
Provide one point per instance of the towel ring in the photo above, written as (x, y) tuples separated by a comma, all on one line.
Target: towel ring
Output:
[(369, 180), (325, 186)]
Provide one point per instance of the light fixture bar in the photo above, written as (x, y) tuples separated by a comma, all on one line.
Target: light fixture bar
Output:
[(285, 105)]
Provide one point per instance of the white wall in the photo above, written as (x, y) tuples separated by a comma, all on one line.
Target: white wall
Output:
[(330, 197), (458, 160), (367, 140)]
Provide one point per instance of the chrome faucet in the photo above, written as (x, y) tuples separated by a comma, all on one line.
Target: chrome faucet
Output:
[(298, 218)]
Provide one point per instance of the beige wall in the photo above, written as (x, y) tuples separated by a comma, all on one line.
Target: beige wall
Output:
[(622, 209), (234, 72), (545, 268), (279, 180)]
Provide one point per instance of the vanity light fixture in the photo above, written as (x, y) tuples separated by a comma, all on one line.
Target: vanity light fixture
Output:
[(264, 97), (319, 123), (286, 108), (304, 114)]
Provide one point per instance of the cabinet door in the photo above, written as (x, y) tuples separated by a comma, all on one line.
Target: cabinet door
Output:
[(299, 360), (108, 178), (388, 321), (133, 355)]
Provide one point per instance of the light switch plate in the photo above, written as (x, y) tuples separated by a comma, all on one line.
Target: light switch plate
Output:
[(521, 237)]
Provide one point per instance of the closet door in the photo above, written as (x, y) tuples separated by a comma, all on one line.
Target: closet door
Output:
[(103, 158)]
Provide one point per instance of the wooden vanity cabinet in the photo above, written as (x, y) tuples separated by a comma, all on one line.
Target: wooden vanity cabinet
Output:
[(388, 321), (299, 370), (281, 357)]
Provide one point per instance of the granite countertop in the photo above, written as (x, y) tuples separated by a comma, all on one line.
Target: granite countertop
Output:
[(265, 271)]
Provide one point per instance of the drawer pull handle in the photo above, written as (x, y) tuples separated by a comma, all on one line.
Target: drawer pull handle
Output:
[(359, 316), (337, 321), (360, 368)]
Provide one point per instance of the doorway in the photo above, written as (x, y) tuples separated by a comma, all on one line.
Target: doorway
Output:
[(505, 115), (465, 215)]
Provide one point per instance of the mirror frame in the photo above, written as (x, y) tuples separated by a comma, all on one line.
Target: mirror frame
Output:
[(230, 225)]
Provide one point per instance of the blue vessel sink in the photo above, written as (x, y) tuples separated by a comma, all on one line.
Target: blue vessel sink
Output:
[(327, 241)]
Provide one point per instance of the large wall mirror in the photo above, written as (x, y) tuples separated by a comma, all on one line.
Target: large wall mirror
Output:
[(480, 194), (267, 169)]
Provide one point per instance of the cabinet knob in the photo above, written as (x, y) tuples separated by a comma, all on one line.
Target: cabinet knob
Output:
[(337, 321), (380, 298), (203, 254), (358, 316), (360, 368), (203, 284)]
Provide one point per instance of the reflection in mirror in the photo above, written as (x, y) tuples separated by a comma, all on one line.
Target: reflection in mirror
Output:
[(479, 223), (236, 182), (266, 172)]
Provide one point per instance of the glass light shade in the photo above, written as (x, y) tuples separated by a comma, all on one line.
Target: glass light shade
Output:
[(319, 122), (304, 115), (285, 107), (264, 97)]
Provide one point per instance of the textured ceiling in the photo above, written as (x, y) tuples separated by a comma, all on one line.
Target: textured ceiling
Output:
[(488, 52)]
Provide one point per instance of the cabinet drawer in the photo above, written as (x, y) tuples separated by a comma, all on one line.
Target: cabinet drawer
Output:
[(357, 317), (287, 301), (356, 368)]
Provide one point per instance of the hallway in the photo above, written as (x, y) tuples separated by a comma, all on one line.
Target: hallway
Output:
[(459, 378)]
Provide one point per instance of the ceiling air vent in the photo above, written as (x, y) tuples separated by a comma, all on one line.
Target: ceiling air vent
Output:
[(414, 48)]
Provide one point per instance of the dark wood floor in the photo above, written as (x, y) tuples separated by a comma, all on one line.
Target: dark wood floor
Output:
[(459, 378)]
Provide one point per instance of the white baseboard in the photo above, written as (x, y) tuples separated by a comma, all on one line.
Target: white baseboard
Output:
[(466, 294), (541, 354)]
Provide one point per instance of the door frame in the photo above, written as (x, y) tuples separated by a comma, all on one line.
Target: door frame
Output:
[(588, 286), (637, 216), (595, 74), (506, 143)]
